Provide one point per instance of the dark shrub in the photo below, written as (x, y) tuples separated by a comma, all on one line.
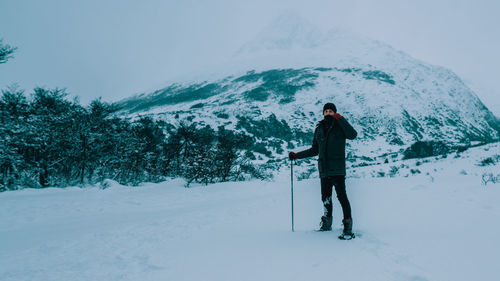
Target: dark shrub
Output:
[(421, 149)]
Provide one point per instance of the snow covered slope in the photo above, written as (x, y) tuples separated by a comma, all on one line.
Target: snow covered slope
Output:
[(292, 68), (439, 224)]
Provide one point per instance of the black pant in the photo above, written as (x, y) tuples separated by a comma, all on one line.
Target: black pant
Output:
[(326, 195)]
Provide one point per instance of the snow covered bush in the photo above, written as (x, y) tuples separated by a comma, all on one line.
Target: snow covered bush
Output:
[(490, 177), (490, 160)]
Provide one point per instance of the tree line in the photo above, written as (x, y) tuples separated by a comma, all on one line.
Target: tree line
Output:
[(48, 140)]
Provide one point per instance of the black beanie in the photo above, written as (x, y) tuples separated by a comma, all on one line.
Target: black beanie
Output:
[(329, 106)]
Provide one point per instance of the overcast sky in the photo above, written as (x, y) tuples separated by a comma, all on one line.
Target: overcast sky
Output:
[(116, 48)]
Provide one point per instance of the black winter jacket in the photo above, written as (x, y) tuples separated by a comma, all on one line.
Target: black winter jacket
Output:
[(330, 147)]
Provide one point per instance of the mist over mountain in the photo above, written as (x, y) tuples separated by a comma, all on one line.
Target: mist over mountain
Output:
[(274, 87)]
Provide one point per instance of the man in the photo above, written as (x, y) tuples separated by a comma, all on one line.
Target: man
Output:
[(329, 142)]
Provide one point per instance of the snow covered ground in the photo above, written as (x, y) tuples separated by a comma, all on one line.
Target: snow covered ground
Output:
[(437, 226)]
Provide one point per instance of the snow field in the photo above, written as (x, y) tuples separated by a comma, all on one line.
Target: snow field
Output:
[(441, 226)]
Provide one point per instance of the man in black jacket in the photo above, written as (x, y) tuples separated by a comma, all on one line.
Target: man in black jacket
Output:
[(329, 144)]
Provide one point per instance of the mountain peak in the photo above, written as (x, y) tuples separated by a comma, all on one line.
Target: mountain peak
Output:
[(288, 31), (291, 40)]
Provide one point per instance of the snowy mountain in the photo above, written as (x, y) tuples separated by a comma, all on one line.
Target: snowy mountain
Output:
[(274, 87)]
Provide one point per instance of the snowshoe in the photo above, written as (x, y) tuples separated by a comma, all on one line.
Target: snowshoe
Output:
[(347, 236)]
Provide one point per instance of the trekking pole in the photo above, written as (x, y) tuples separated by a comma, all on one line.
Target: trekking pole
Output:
[(291, 176)]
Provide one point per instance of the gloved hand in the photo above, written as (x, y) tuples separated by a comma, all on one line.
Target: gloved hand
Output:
[(337, 116), (292, 155)]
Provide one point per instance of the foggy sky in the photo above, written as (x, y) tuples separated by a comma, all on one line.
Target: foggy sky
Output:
[(117, 48)]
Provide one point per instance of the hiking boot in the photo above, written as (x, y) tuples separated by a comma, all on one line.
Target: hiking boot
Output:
[(326, 223), (347, 226)]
